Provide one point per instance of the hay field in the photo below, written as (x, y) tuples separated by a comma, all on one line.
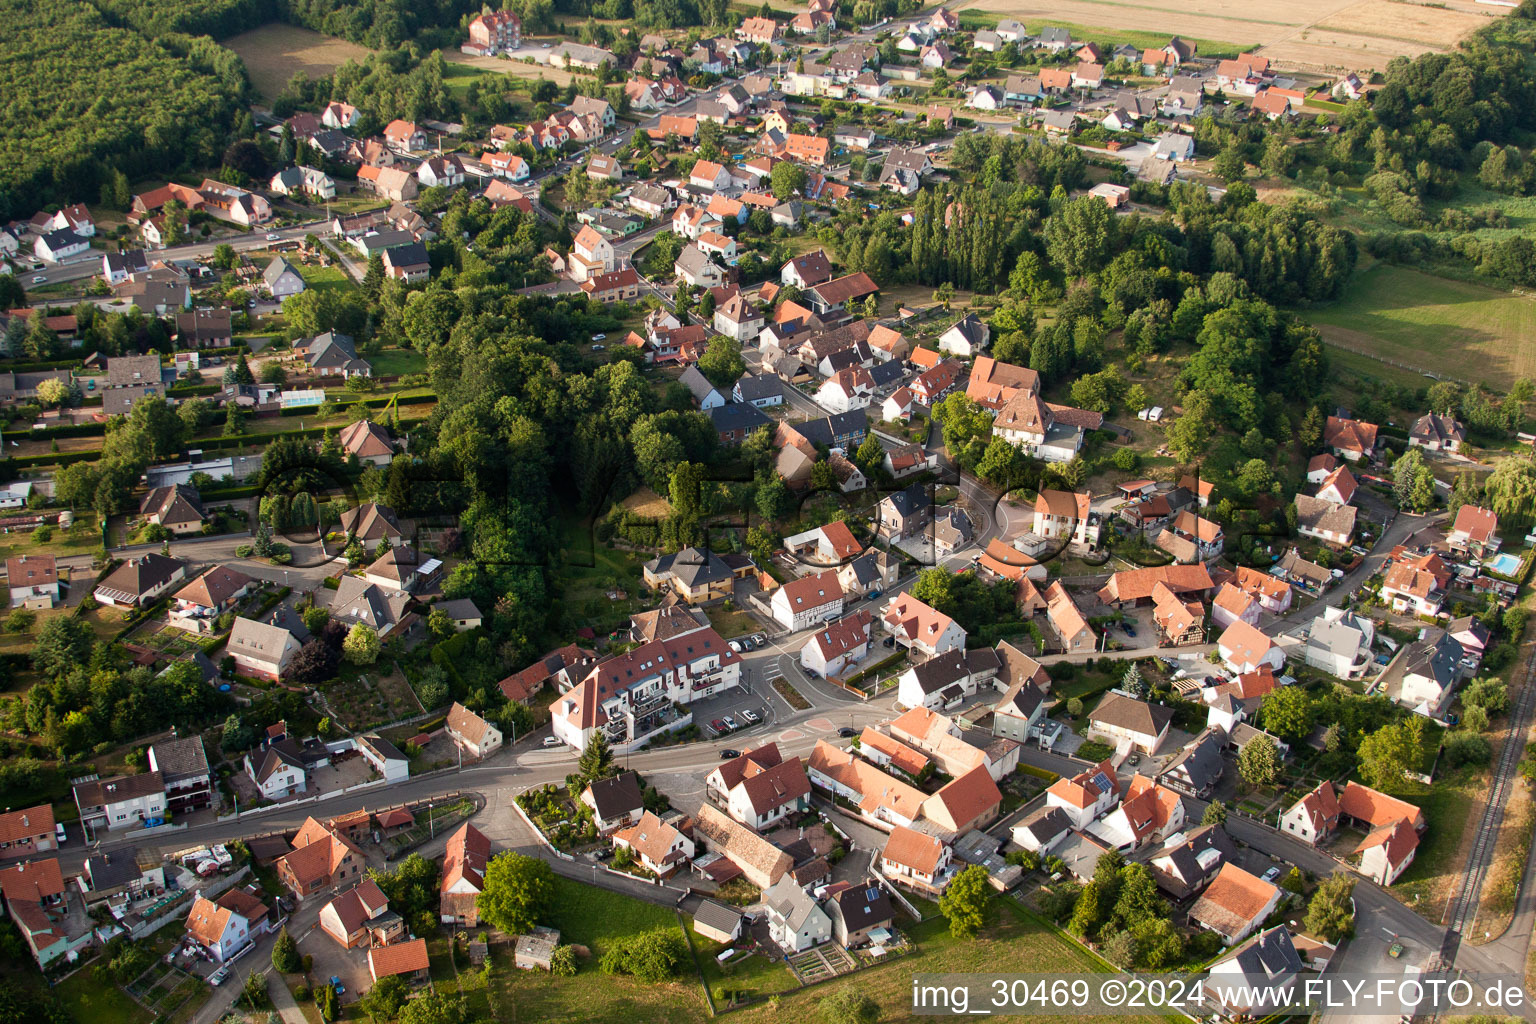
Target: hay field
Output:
[(274, 52), (1321, 35)]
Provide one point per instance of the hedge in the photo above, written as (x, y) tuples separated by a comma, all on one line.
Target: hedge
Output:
[(371, 403), (1039, 773), (69, 430)]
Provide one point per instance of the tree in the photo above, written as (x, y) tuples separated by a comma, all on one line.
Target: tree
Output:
[(440, 624), (361, 647), (1132, 682), (285, 954), (1413, 482), (1215, 814), (1229, 164), (517, 892), (1511, 489), (1286, 711), (436, 1008), (1259, 762), (787, 178), (386, 998), (238, 372), (51, 391), (870, 454), (63, 644), (1331, 911), (722, 363), (654, 956), (75, 485), (966, 902), (596, 760), (1389, 752), (562, 962), (1079, 235), (848, 1006)]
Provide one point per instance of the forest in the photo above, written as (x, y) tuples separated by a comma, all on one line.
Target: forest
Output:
[(82, 98)]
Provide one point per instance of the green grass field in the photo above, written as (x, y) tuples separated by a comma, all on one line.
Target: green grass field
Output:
[(1434, 324), (325, 278), (398, 361)]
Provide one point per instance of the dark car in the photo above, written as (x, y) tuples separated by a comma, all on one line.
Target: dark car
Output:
[(890, 641), (846, 732), (727, 755)]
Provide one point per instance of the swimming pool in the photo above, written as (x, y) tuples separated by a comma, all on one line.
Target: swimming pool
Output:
[(1504, 564)]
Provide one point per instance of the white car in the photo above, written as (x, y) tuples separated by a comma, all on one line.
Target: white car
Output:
[(39, 279), (734, 646), (59, 835), (219, 976), (273, 236), (551, 741), (599, 337)]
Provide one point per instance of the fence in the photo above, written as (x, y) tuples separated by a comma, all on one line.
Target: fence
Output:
[(1393, 362)]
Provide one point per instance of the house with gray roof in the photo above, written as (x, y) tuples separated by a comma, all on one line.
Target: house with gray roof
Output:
[(796, 922), (1199, 766), (281, 280), (331, 354), (261, 650), (705, 395), (358, 601)]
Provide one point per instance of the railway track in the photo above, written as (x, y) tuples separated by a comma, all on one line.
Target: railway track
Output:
[(1462, 908)]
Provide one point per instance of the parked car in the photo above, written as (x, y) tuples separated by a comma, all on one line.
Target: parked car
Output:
[(39, 279), (729, 755), (551, 741), (752, 717), (273, 236), (1272, 874), (599, 337), (759, 639), (219, 976), (730, 723), (734, 645), (341, 989), (59, 835), (717, 725), (845, 732)]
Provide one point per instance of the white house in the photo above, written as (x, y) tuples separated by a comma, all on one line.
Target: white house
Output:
[(1234, 904), (967, 338), (1087, 795), (225, 926), (1121, 720), (795, 921), (921, 628), (808, 600), (1244, 649), (123, 801), (277, 769), (837, 645), (473, 734), (1339, 643), (56, 246), (33, 580)]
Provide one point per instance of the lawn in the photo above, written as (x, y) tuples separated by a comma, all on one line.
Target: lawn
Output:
[(325, 278), (87, 998), (751, 976), (1015, 943), (274, 52), (1448, 808), (974, 18), (396, 362), (1434, 324), (731, 624), (593, 917)]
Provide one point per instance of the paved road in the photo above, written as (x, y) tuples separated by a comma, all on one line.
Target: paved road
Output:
[(241, 243)]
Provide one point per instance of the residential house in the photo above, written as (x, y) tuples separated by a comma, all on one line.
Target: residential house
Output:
[(225, 926), (803, 602), (1244, 649), (1430, 669), (1066, 516), (695, 574), (1416, 586), (859, 911), (916, 860), (945, 679), (140, 580), (1338, 486), (281, 280), (694, 267), (660, 848), (1199, 766), (1350, 439), (1072, 629), (321, 858), (1182, 869), (760, 787), (796, 922), (178, 508), (1256, 979), (807, 270), (495, 31), (198, 605), (406, 960), (717, 922), (1339, 643), (463, 876), (392, 183), (407, 264), (471, 733), (277, 768), (920, 628), (368, 442), (361, 917), (27, 832), (333, 355), (122, 801), (33, 581), (1475, 532), (1325, 520), (1234, 904), (204, 327), (261, 650), (758, 860), (1086, 796), (1436, 433), (1123, 721), (1150, 813), (383, 757), (1191, 538)]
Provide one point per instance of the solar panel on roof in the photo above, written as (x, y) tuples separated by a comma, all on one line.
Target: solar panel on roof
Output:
[(1102, 781)]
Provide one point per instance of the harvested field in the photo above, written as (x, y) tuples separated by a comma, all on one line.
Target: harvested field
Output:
[(515, 68), (274, 52), (1310, 34), (647, 502)]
